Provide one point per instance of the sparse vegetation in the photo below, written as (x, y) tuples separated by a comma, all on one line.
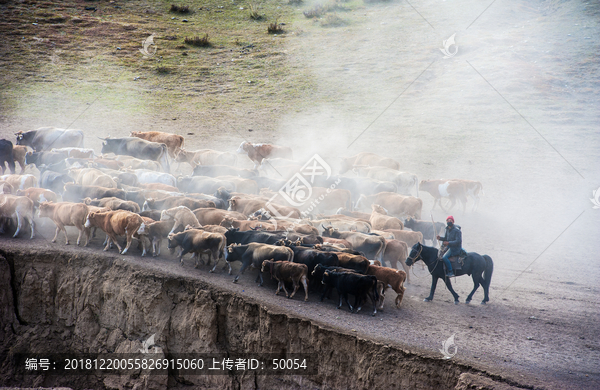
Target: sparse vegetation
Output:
[(253, 11), (197, 41), (275, 28), (321, 9), (163, 69), (182, 9), (333, 20)]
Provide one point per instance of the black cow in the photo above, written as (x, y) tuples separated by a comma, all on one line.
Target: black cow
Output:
[(311, 257), (223, 170), (46, 158), (234, 236), (317, 274), (253, 254), (46, 138), (76, 193), (152, 214), (6, 156), (425, 227), (138, 148), (55, 181), (219, 203), (360, 286)]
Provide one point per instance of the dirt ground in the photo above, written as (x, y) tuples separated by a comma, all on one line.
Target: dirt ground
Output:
[(516, 108)]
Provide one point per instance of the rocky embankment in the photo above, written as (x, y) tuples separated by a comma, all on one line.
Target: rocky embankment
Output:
[(75, 302)]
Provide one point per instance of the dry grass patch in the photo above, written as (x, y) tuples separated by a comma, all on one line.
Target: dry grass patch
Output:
[(182, 9), (197, 41)]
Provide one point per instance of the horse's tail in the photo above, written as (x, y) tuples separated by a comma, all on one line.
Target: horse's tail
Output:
[(487, 272)]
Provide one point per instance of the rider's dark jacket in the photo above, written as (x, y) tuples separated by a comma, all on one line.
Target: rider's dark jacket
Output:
[(454, 238)]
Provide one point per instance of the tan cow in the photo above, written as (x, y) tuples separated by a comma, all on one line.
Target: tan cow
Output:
[(136, 163), (212, 216), (206, 157), (368, 159), (174, 142), (38, 195), (405, 181), (113, 203), (453, 190), (408, 236), (92, 177), (392, 277), (249, 206), (76, 152), (396, 251), (66, 214), (183, 217), (20, 207), (20, 182), (158, 186), (258, 152), (380, 220), (397, 205), (19, 153), (115, 223)]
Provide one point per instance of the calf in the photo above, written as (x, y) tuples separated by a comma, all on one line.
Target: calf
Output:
[(20, 207), (38, 195), (19, 153), (66, 214), (394, 278), (174, 142), (6, 187), (182, 217), (199, 242), (284, 271), (360, 286), (155, 232), (75, 152), (115, 223), (253, 254)]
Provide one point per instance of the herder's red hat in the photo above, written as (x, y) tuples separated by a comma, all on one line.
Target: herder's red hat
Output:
[(450, 218)]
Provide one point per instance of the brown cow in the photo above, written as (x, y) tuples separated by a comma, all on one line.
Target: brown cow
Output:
[(409, 237), (174, 142), (357, 263), (115, 223), (212, 216), (20, 207), (229, 222), (199, 242), (392, 277), (396, 251), (175, 201), (182, 215), (258, 152), (38, 195), (76, 152), (113, 203), (397, 205), (380, 220), (285, 271), (66, 214), (155, 232), (454, 190), (338, 241)]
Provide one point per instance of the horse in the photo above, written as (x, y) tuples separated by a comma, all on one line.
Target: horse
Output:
[(481, 268)]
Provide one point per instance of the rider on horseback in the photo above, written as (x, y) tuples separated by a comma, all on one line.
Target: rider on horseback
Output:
[(452, 239)]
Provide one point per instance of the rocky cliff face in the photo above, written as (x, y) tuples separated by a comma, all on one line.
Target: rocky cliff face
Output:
[(60, 302)]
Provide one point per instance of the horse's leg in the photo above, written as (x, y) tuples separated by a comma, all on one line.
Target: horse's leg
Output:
[(434, 280), (477, 280), (454, 294)]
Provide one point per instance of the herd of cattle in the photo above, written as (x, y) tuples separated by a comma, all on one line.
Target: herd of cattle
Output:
[(359, 223)]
